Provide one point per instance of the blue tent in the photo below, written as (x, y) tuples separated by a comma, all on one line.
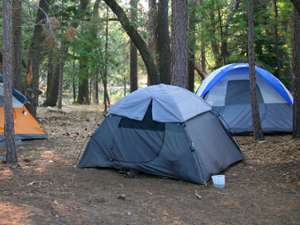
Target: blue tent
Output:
[(162, 130), (17, 94), (227, 90)]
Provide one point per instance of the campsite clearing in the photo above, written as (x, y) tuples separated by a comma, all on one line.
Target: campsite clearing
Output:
[(47, 189)]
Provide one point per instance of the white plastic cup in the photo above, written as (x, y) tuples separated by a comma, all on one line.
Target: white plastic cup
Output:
[(218, 181)]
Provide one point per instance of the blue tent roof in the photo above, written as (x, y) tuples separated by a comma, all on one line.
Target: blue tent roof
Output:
[(217, 75), (17, 94), (169, 104)]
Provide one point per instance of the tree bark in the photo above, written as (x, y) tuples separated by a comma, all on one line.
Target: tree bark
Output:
[(163, 42), (137, 39), (297, 5), (276, 47), (258, 134), (213, 41), (179, 44), (83, 86), (74, 81), (296, 65), (203, 56), (152, 30), (52, 85), (192, 44), (133, 51), (62, 53), (35, 58), (224, 36), (201, 73), (95, 31), (17, 43), (106, 100), (49, 72), (9, 134)]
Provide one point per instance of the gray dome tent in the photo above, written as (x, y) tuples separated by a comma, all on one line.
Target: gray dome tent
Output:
[(162, 130)]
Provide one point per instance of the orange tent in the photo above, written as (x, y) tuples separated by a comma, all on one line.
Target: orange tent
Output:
[(26, 126)]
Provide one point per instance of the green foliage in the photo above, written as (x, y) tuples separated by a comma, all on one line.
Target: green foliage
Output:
[(272, 53)]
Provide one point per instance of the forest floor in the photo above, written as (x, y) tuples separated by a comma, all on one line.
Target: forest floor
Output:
[(47, 188)]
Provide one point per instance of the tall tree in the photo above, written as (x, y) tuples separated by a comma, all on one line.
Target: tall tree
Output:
[(224, 29), (83, 86), (11, 154), (213, 39), (179, 43), (191, 43), (276, 36), (151, 67), (258, 134), (297, 5), (296, 64), (106, 100), (133, 51), (52, 79), (94, 33), (61, 63), (35, 56), (163, 42), (152, 32), (17, 42)]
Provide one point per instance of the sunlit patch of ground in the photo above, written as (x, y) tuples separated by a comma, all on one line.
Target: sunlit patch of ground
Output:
[(11, 214), (5, 173)]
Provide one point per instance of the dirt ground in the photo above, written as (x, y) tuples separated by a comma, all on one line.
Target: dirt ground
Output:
[(47, 189)]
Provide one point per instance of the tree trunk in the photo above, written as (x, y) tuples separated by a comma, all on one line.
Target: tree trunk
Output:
[(203, 56), (96, 88), (9, 134), (213, 41), (106, 100), (124, 85), (163, 42), (152, 30), (297, 5), (179, 45), (296, 65), (94, 32), (62, 53), (258, 134), (35, 57), (17, 43), (224, 32), (74, 81), (83, 83), (52, 86), (133, 51), (83, 87), (223, 47), (192, 44), (49, 72), (276, 47), (201, 73), (137, 39)]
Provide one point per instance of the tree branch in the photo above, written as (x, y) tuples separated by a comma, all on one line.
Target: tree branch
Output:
[(136, 39)]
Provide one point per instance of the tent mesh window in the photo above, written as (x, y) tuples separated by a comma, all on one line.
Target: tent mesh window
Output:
[(144, 139), (238, 92), (146, 124)]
